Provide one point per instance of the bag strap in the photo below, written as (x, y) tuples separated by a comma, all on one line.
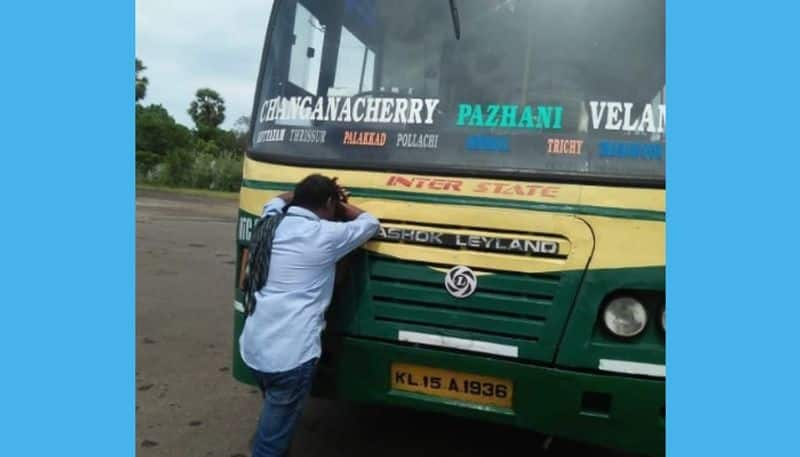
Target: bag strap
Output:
[(258, 263), (263, 235)]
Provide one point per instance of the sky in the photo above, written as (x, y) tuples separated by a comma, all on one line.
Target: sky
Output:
[(190, 44)]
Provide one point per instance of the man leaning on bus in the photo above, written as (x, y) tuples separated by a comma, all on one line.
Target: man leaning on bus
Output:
[(281, 339)]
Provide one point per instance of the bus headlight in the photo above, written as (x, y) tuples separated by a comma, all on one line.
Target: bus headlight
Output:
[(625, 317)]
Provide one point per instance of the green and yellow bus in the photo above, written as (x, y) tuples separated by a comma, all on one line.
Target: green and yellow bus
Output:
[(514, 152)]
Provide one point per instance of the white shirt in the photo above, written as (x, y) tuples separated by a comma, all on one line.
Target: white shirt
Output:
[(285, 329)]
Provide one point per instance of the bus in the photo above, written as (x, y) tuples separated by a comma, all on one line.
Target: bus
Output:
[(514, 153)]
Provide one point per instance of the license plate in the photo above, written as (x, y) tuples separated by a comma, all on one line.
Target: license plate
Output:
[(472, 388)]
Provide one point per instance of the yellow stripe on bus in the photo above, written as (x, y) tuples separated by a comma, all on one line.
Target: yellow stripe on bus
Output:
[(552, 193)]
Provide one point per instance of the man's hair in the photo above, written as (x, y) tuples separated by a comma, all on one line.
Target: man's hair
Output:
[(314, 191)]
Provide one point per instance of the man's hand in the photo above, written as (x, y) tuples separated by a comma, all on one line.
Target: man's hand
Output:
[(342, 192), (344, 211), (243, 269), (349, 212), (287, 197)]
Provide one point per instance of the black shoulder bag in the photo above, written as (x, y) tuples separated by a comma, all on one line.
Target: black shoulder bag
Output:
[(258, 263)]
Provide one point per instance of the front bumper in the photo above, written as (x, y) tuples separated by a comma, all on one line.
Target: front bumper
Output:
[(614, 411), (618, 412)]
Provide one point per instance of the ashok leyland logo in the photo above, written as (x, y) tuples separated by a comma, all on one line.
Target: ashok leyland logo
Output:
[(460, 281)]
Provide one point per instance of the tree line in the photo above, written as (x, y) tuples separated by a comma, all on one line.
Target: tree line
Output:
[(168, 153)]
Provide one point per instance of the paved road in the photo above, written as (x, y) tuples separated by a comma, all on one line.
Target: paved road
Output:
[(187, 402)]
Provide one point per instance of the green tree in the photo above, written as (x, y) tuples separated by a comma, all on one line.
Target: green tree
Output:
[(158, 133), (242, 125), (227, 141), (207, 110), (141, 81), (241, 128)]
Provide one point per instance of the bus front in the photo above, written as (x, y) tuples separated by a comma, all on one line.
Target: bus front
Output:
[(514, 152)]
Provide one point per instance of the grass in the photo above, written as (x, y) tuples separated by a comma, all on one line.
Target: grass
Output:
[(188, 191)]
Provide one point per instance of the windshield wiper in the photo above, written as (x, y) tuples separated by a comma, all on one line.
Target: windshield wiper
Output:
[(456, 22)]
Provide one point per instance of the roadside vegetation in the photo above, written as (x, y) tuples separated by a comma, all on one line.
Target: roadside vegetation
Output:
[(169, 154)]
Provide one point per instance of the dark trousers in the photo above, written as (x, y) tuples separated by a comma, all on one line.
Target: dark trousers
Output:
[(285, 394)]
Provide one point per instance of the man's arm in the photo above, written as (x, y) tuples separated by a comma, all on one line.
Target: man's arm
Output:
[(271, 207), (349, 212), (347, 236), (277, 204), (287, 197)]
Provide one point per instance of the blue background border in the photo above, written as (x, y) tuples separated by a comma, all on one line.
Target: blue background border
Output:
[(732, 234), (67, 189), (67, 329)]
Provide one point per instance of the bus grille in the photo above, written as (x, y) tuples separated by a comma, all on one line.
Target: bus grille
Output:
[(510, 309)]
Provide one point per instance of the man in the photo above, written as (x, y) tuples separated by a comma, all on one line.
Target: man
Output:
[(281, 339)]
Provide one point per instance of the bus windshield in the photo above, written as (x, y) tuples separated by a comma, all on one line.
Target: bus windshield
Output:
[(570, 89)]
